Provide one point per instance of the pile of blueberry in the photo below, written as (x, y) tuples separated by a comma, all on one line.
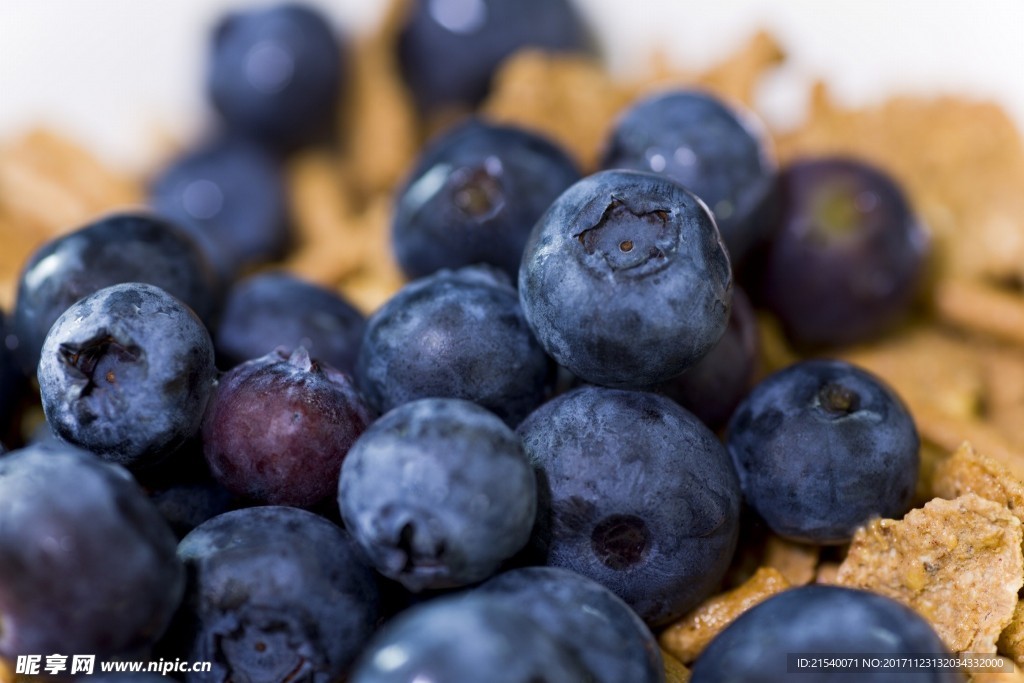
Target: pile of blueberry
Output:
[(534, 456)]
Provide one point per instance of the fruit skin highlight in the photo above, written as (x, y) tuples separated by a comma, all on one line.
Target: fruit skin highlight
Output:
[(821, 447), (625, 280)]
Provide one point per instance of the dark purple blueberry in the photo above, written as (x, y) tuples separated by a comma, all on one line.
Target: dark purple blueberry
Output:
[(473, 197), (847, 254), (713, 387), (438, 493), (454, 334), (263, 312), (717, 151), (275, 74), (821, 447), (117, 248), (126, 373), (87, 565), (824, 622), (635, 493), (463, 639), (275, 594), (587, 618), (625, 280), (278, 427), (449, 49), (230, 196)]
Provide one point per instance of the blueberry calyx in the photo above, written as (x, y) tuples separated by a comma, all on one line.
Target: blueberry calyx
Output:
[(478, 192), (631, 240), (836, 215), (415, 551), (838, 400), (620, 541), (97, 359), (263, 647)]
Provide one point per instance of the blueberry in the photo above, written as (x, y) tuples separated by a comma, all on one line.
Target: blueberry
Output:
[(230, 195), (473, 197), (274, 594), (449, 49), (275, 74), (718, 152), (847, 254), (713, 388), (120, 247), (265, 311), (828, 621), (625, 280), (438, 493), (591, 621), (821, 447), (278, 427), (87, 564), (126, 373), (458, 639), (636, 493), (454, 334)]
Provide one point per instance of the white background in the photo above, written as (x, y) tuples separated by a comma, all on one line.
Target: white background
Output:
[(112, 72)]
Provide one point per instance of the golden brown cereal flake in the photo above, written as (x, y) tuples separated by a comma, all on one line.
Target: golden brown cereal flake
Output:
[(1011, 641), (570, 98), (981, 306), (379, 125), (948, 432), (956, 562), (968, 471), (675, 671), (797, 562), (828, 573), (48, 186), (687, 637), (927, 367), (736, 79), (1016, 676)]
